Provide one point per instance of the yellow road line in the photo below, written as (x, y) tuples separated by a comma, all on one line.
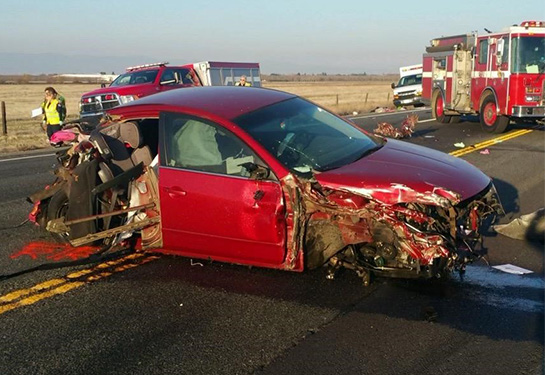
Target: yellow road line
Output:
[(36, 288), (54, 287), (38, 297), (490, 142)]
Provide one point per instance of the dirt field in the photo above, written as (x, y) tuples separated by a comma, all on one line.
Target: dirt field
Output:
[(25, 133)]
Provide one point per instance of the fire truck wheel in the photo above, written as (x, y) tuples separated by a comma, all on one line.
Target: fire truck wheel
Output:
[(57, 207), (491, 121), (438, 109)]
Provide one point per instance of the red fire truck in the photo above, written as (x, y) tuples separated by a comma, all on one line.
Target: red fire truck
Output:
[(499, 76)]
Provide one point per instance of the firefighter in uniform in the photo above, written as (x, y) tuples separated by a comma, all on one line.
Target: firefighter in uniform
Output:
[(243, 81), (54, 111)]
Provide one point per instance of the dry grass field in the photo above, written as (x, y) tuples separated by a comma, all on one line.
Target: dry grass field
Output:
[(24, 133)]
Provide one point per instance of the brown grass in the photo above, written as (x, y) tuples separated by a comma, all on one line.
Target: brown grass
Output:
[(25, 133), (341, 97)]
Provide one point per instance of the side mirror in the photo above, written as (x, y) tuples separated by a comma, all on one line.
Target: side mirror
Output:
[(499, 51), (393, 85), (257, 172)]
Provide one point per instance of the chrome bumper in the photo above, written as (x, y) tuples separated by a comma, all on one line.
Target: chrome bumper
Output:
[(526, 111)]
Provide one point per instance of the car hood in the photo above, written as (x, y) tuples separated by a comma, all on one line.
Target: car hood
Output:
[(403, 172), (121, 90), (398, 89)]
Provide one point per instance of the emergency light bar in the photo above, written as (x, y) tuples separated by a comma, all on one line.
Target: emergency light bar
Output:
[(130, 68), (528, 24)]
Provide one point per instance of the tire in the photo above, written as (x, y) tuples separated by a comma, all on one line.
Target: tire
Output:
[(438, 109), (491, 121), (57, 207)]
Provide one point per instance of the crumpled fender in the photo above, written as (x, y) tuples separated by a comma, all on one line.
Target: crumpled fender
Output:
[(321, 220)]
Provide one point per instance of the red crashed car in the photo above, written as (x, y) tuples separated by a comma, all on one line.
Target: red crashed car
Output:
[(262, 177)]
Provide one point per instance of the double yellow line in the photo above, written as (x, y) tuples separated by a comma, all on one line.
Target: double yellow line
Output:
[(50, 288), (490, 142)]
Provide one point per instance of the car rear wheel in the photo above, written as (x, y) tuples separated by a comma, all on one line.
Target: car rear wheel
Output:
[(439, 109), (57, 208), (491, 120)]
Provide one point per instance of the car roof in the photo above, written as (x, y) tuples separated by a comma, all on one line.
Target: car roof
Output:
[(225, 101)]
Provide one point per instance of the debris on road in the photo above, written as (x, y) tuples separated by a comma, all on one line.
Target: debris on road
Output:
[(515, 270), (406, 130), (485, 152), (460, 145), (530, 226), (382, 110)]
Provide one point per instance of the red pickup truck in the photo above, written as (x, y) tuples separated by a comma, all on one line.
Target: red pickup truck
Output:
[(144, 80)]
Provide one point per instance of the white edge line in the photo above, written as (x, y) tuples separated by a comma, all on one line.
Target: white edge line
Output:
[(26, 157), (389, 113), (428, 120)]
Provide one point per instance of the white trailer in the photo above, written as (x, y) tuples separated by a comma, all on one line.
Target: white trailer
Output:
[(216, 73)]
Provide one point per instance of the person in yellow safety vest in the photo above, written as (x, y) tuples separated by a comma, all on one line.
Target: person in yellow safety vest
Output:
[(243, 81), (54, 111)]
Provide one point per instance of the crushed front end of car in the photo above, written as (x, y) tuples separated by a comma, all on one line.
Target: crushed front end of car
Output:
[(394, 231)]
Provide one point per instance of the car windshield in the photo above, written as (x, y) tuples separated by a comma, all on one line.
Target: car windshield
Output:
[(135, 78), (415, 79), (305, 137)]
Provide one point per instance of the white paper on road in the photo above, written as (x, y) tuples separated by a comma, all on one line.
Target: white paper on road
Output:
[(509, 268), (36, 112)]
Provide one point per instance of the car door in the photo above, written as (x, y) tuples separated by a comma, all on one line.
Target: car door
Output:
[(210, 207)]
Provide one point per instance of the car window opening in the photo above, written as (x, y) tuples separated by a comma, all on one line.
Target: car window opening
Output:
[(194, 144)]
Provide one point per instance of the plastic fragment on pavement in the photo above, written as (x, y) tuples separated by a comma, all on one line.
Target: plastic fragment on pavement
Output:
[(195, 263), (530, 226), (485, 152), (515, 270), (460, 145)]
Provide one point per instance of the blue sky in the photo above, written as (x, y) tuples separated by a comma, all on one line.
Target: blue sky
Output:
[(284, 36)]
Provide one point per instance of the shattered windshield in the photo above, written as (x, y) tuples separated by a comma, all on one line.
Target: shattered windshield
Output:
[(135, 78), (528, 54), (305, 137)]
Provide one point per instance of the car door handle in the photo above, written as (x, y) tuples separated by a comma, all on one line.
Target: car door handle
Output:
[(174, 191)]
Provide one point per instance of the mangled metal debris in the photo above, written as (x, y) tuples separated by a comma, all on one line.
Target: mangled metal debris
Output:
[(405, 131)]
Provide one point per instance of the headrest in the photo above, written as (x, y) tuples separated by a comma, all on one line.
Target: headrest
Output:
[(130, 134)]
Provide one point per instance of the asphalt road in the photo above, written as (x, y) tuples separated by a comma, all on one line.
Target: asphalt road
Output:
[(171, 315)]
